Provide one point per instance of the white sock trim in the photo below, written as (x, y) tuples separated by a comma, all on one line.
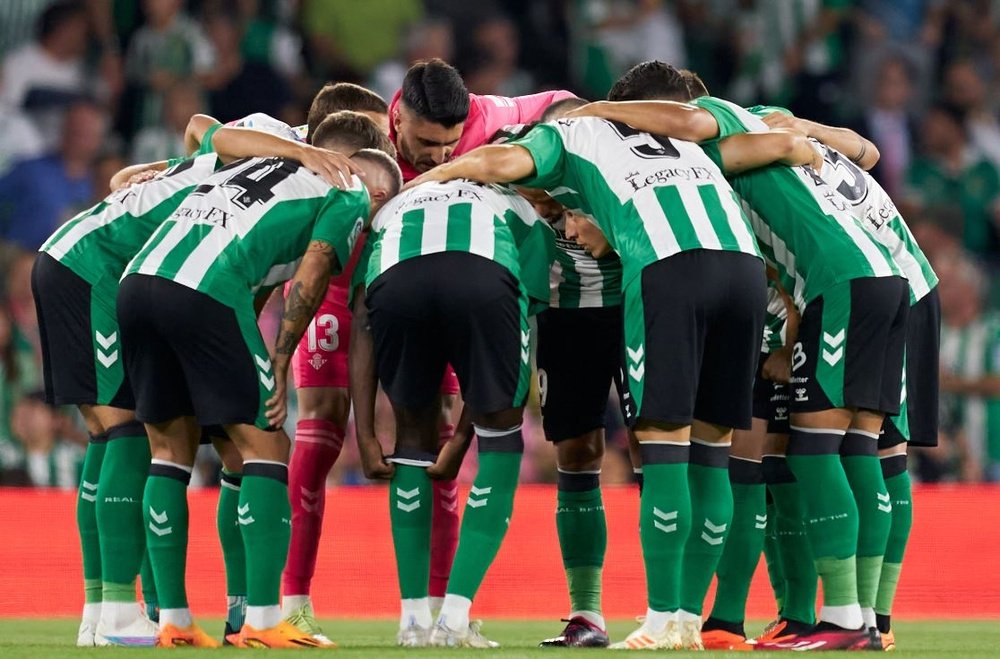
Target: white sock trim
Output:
[(495, 432), (167, 463), (819, 431), (847, 616), (263, 617), (455, 612), (176, 617)]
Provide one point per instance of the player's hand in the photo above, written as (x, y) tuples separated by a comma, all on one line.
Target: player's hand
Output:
[(432, 175), (373, 463), (782, 120), (141, 177), (276, 407), (335, 168), (778, 366)]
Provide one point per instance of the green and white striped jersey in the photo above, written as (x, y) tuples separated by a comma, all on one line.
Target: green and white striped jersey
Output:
[(804, 226), (463, 216), (870, 204), (247, 226), (653, 197), (98, 243), (577, 280)]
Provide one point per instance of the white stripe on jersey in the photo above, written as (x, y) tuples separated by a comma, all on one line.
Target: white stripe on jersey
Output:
[(782, 254), (278, 274), (698, 215), (201, 258), (656, 224), (435, 233), (744, 237), (482, 239), (58, 249), (876, 259), (175, 234), (906, 261)]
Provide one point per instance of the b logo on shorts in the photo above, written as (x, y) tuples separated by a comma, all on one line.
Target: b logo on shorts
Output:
[(798, 356)]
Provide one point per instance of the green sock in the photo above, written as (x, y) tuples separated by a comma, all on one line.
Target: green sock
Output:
[(775, 572), (86, 518), (119, 505), (265, 518), (583, 538), (148, 583), (897, 481), (664, 521), (165, 514), (831, 514), (741, 552), (711, 515), (859, 455), (488, 511), (411, 502), (794, 553), (233, 552)]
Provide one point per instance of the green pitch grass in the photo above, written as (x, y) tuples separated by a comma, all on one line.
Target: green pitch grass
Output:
[(52, 639)]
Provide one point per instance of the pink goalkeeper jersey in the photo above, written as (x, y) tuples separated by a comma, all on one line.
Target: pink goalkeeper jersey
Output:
[(487, 115)]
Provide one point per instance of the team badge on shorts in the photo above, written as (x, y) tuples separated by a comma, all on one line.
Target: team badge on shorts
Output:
[(316, 361)]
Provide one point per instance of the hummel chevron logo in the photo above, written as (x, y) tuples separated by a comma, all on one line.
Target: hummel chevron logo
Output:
[(159, 519), (243, 515), (267, 381), (449, 499), (309, 500), (264, 364), (835, 342), (106, 358), (479, 492), (666, 517), (760, 521), (883, 502), (407, 494), (636, 363), (89, 492), (713, 533), (525, 350), (106, 341)]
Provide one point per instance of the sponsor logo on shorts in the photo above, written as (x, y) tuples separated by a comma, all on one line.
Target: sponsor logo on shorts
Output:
[(316, 361), (801, 395)]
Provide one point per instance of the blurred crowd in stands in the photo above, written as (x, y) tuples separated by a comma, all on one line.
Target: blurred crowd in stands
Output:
[(88, 86)]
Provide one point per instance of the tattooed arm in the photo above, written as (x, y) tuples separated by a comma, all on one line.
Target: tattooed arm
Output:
[(305, 294)]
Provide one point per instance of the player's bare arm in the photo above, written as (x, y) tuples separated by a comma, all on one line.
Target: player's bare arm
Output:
[(304, 297), (685, 122), (232, 143), (363, 387), (195, 131), (751, 150), (452, 454), (860, 150), (135, 174), (778, 365), (495, 163)]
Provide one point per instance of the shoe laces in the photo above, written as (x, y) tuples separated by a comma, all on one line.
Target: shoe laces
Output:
[(305, 622)]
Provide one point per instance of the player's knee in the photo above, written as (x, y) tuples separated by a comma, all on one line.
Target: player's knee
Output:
[(324, 403), (581, 454), (499, 420)]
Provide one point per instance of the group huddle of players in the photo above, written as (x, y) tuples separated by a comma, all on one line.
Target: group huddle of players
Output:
[(738, 276)]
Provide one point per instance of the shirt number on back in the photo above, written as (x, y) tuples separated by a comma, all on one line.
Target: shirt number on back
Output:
[(646, 145), (328, 342)]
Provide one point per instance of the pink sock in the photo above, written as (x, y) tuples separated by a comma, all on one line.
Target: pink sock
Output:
[(444, 528), (317, 445)]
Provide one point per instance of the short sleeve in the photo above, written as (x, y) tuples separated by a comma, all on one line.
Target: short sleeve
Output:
[(713, 152), (545, 144), (725, 115), (206, 141), (340, 221)]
